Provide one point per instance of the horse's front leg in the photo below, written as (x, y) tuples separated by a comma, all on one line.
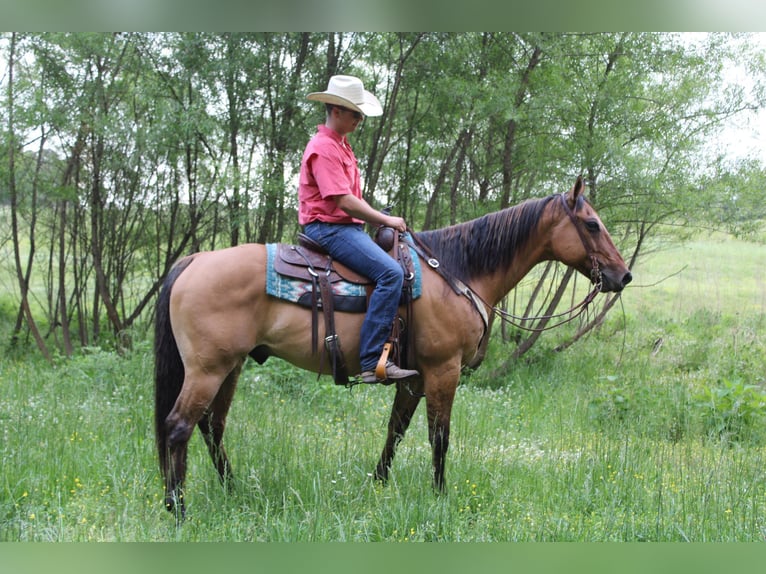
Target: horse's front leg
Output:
[(440, 395), (405, 402)]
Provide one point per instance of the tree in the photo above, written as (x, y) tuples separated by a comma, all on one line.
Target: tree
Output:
[(126, 151), (22, 273)]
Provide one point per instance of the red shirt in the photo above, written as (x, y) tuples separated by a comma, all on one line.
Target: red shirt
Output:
[(328, 169)]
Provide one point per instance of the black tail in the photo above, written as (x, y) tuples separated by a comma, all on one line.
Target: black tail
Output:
[(168, 368)]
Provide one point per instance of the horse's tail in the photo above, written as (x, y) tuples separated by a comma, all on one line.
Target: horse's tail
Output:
[(168, 367)]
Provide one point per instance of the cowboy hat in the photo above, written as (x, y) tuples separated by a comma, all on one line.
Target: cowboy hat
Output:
[(348, 92)]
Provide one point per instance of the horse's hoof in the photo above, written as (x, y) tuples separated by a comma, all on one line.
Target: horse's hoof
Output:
[(174, 503), (380, 475)]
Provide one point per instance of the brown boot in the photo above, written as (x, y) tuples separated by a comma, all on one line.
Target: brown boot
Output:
[(393, 373)]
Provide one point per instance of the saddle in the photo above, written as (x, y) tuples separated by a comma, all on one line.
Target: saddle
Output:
[(309, 262)]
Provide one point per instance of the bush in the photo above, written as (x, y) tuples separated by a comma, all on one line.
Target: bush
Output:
[(733, 411)]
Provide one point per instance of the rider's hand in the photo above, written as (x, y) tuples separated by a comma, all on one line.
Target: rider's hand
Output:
[(397, 223)]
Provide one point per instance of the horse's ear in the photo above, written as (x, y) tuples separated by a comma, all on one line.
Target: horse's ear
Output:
[(579, 187), (577, 190)]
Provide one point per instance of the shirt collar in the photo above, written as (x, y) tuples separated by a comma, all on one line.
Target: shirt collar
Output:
[(323, 129)]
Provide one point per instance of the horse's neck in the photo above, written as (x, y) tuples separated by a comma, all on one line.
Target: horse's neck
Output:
[(499, 282)]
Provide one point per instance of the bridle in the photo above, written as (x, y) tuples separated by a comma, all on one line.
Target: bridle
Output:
[(595, 271), (515, 320), (575, 311)]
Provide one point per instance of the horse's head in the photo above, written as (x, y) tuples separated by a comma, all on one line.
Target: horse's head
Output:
[(581, 240)]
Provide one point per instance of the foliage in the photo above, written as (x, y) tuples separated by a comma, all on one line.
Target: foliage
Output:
[(132, 149), (733, 411), (735, 198)]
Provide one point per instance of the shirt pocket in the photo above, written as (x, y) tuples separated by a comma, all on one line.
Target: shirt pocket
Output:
[(350, 167)]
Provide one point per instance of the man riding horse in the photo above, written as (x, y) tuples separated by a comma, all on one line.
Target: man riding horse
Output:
[(333, 211)]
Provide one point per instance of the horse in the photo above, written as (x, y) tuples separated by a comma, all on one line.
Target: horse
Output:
[(213, 312)]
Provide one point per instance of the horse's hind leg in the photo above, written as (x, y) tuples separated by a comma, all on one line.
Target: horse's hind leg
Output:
[(197, 394), (179, 432), (405, 403), (213, 423)]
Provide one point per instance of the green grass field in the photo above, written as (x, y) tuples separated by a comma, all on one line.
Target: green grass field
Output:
[(651, 429)]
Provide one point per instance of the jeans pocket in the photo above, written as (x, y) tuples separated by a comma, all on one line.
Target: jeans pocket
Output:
[(319, 232)]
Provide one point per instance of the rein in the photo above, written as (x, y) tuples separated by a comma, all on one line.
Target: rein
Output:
[(514, 320), (579, 308)]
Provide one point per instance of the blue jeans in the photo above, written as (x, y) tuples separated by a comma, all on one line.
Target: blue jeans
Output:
[(350, 245)]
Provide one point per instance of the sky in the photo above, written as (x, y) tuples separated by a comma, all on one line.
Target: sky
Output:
[(745, 136)]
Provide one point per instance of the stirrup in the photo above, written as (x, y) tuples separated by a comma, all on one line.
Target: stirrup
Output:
[(380, 368)]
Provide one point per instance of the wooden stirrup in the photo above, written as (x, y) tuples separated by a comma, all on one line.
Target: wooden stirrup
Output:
[(380, 368)]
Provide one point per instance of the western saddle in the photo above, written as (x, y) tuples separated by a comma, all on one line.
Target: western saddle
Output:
[(308, 261)]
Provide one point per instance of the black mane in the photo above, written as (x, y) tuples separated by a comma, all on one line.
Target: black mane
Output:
[(475, 247)]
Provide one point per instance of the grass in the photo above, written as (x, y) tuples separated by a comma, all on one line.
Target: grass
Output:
[(717, 275), (648, 430)]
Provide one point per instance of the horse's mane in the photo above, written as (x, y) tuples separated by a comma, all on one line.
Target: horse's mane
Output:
[(474, 247)]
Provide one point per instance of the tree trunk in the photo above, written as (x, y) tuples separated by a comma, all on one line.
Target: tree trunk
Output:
[(527, 343), (457, 150), (511, 127), (97, 241), (381, 141), (23, 278)]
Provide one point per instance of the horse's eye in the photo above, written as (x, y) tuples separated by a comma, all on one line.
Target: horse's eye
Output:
[(592, 225)]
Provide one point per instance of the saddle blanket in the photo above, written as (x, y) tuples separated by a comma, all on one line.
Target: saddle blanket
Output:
[(348, 297)]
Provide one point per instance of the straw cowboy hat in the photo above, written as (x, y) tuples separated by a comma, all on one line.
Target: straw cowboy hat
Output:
[(348, 92)]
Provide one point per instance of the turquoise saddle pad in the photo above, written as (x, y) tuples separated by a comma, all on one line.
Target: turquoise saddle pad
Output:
[(348, 297)]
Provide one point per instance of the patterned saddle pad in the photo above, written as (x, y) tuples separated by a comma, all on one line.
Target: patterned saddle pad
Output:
[(347, 296)]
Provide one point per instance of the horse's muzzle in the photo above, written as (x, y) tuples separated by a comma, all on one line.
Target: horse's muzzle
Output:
[(610, 283)]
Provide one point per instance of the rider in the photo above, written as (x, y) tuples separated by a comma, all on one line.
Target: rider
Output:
[(333, 211)]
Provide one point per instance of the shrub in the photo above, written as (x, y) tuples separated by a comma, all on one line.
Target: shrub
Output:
[(733, 411)]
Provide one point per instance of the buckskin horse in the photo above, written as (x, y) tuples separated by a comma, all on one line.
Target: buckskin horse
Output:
[(213, 312)]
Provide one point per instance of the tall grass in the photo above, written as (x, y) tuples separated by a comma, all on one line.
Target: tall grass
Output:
[(625, 436)]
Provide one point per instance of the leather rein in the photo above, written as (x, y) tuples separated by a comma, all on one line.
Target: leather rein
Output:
[(514, 320)]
